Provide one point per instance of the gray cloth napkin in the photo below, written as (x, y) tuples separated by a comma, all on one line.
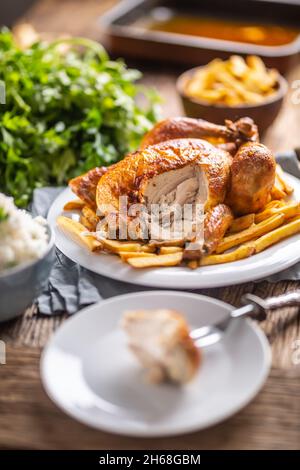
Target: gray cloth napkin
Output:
[(71, 287), (289, 161)]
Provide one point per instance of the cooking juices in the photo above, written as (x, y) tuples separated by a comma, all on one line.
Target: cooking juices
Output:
[(251, 32)]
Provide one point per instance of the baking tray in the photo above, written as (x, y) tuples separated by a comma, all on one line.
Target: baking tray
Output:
[(12, 10), (125, 38)]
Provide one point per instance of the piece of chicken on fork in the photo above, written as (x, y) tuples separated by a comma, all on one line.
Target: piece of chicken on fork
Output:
[(160, 340)]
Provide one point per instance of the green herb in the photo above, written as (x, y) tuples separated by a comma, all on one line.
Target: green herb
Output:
[(68, 109), (3, 215)]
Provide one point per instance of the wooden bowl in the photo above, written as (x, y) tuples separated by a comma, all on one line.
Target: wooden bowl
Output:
[(263, 114)]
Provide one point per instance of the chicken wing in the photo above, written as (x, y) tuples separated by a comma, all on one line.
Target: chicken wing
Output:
[(85, 186)]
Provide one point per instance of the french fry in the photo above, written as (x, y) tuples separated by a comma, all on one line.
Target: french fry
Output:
[(242, 223), (243, 251), (237, 66), (84, 221), (116, 246), (271, 205), (253, 232), (256, 64), (293, 219), (91, 217), (260, 217), (280, 175), (165, 250), (78, 232), (289, 211), (269, 239), (233, 81), (193, 264), (173, 259), (274, 203), (125, 255), (75, 205), (277, 191), (159, 243)]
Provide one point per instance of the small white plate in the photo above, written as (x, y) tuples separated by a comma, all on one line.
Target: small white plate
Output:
[(89, 372), (276, 258)]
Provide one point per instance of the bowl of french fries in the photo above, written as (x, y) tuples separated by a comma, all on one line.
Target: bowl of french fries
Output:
[(231, 89)]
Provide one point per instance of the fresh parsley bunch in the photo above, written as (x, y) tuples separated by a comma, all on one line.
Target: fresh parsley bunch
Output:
[(68, 108)]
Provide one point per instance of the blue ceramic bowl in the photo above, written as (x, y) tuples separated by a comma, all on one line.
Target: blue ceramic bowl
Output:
[(19, 286)]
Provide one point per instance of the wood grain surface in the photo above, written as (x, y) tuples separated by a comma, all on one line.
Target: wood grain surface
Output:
[(28, 419)]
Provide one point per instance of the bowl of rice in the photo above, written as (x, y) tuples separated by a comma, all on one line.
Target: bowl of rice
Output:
[(26, 258)]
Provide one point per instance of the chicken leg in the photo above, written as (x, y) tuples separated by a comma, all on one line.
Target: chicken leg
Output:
[(216, 223), (231, 135), (252, 178)]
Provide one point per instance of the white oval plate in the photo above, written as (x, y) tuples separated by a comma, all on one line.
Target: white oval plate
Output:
[(277, 258), (89, 372)]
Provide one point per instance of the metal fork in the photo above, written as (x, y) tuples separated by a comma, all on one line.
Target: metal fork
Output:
[(254, 307)]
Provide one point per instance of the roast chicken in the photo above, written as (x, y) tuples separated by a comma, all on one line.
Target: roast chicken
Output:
[(183, 160)]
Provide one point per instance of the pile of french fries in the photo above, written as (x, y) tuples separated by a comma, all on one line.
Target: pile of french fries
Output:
[(247, 235), (233, 82)]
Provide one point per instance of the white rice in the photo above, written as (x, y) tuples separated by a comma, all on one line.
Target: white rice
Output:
[(22, 237)]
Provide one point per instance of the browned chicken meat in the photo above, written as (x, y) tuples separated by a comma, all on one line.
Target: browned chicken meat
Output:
[(182, 161), (182, 170), (231, 135), (161, 342), (252, 178), (85, 186)]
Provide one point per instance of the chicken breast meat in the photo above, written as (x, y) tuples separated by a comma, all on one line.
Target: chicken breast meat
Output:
[(189, 161), (160, 340)]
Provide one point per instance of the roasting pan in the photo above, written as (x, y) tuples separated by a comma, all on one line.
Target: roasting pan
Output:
[(125, 38)]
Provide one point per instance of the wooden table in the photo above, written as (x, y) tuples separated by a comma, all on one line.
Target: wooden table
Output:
[(28, 419)]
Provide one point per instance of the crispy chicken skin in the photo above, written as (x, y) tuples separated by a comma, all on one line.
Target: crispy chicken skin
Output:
[(252, 178), (85, 186), (232, 134), (132, 174), (160, 340), (216, 224)]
